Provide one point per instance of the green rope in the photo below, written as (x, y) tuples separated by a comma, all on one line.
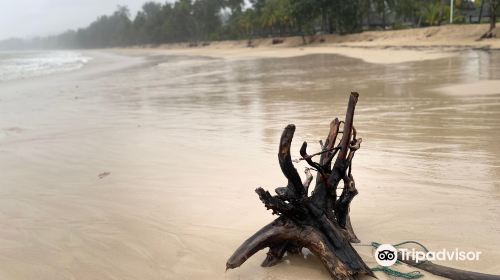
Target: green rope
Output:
[(407, 275)]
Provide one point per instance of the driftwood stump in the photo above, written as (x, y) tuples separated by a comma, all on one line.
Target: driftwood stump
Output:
[(319, 222)]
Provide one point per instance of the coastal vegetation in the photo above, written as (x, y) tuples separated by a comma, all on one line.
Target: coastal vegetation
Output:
[(206, 20)]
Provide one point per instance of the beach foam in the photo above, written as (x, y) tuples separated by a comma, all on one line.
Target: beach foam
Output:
[(26, 64)]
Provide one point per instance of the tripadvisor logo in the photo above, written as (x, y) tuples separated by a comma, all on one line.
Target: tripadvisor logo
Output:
[(387, 255)]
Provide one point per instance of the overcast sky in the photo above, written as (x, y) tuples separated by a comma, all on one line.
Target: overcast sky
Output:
[(28, 18)]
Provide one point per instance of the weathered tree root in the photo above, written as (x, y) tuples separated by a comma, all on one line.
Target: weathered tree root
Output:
[(319, 222), (491, 33)]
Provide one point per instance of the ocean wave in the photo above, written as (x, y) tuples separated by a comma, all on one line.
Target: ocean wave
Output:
[(28, 64)]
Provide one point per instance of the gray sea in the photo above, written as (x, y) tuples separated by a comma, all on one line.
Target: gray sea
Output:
[(16, 65)]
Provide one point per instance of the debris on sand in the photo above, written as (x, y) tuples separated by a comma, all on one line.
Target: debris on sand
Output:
[(103, 174)]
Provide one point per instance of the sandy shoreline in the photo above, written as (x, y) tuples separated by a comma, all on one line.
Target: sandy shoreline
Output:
[(386, 47), (185, 143), (371, 55)]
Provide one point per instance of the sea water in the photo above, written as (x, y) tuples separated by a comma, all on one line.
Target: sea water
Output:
[(16, 65)]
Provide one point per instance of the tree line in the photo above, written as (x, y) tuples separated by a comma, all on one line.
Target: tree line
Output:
[(207, 20)]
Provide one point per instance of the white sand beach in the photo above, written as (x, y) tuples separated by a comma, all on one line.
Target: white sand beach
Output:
[(182, 137)]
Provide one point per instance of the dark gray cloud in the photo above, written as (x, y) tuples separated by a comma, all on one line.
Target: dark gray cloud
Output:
[(28, 18)]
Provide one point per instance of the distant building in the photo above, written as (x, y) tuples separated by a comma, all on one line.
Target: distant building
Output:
[(469, 13)]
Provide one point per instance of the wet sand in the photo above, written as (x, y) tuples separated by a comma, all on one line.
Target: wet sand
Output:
[(387, 46), (371, 55), (186, 140)]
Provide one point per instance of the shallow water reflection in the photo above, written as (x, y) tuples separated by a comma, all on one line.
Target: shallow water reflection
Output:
[(187, 139)]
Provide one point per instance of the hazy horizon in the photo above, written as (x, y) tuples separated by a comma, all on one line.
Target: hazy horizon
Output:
[(27, 19)]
